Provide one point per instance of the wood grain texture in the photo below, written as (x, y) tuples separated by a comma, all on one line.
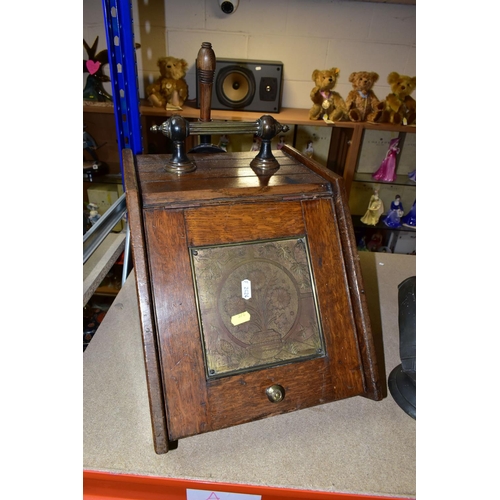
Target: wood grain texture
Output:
[(373, 385), (179, 337), (242, 398), (237, 189), (216, 172), (224, 177), (150, 346), (205, 63), (327, 261), (240, 222), (373, 389), (225, 202)]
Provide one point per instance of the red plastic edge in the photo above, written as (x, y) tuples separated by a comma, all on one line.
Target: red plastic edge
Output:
[(99, 485)]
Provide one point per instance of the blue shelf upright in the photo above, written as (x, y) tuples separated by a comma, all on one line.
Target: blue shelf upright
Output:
[(118, 24)]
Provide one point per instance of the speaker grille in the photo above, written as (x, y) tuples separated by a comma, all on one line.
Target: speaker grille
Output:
[(246, 85), (235, 86)]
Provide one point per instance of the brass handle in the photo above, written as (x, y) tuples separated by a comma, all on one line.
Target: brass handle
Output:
[(178, 129), (275, 393)]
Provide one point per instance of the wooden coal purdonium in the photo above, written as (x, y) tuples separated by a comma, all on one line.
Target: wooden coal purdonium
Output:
[(249, 286)]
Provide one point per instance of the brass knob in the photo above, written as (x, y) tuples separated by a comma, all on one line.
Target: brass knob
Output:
[(275, 393)]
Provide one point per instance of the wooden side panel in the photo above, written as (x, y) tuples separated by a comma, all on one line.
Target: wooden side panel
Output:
[(153, 373), (176, 319), (333, 293), (373, 386)]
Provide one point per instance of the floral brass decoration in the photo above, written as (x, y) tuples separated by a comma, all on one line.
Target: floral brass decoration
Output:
[(256, 305)]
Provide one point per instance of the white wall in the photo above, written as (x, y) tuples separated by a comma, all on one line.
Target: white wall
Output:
[(304, 34)]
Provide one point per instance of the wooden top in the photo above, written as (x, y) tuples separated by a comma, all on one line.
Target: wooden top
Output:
[(226, 177)]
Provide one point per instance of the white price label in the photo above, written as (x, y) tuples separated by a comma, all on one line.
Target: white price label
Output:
[(246, 289)]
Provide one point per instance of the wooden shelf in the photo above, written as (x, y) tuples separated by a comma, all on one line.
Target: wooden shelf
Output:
[(401, 180), (356, 221), (345, 143), (288, 116)]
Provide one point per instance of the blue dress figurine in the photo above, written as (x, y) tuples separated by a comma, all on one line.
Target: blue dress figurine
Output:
[(410, 219), (393, 217)]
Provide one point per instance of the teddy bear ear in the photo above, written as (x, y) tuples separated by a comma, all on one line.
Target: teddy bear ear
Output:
[(393, 76), (335, 71), (374, 76), (352, 76), (414, 81)]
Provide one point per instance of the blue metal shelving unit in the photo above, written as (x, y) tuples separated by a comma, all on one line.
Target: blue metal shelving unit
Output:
[(118, 24)]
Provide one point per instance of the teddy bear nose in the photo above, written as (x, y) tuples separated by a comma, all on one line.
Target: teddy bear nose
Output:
[(330, 79)]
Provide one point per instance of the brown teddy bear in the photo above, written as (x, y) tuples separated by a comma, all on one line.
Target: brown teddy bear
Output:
[(171, 88), (362, 103), (399, 107), (327, 103)]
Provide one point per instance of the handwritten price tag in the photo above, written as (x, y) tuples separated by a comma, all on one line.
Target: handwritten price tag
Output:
[(238, 319)]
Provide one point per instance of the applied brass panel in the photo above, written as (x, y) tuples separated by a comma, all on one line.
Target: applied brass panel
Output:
[(256, 305)]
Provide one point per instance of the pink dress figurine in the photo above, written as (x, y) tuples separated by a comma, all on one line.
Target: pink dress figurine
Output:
[(387, 170)]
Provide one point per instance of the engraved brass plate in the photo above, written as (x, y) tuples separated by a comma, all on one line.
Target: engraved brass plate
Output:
[(256, 305)]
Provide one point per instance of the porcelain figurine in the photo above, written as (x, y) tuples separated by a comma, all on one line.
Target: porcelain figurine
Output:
[(410, 219), (256, 144), (309, 151), (387, 170), (375, 210), (393, 217)]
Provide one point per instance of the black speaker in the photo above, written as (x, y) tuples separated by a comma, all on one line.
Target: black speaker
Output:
[(246, 85)]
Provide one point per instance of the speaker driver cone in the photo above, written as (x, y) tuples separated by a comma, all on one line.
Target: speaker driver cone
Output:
[(235, 87)]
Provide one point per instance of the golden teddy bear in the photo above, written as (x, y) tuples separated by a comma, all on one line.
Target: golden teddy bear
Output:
[(171, 87), (362, 103), (399, 106), (327, 104)]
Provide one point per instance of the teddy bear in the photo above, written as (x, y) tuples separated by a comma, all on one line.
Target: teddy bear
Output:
[(362, 103), (327, 103), (399, 106), (171, 87)]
